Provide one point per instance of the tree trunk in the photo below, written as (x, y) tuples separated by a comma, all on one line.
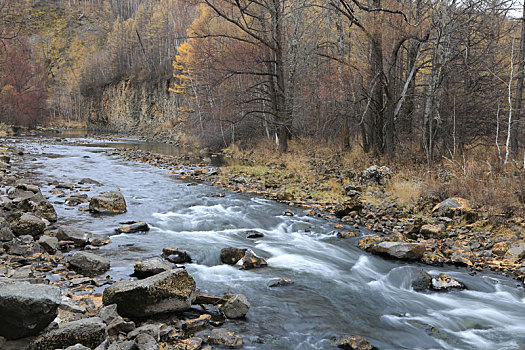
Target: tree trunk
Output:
[(515, 129)]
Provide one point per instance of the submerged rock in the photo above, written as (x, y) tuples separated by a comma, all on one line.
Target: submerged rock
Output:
[(280, 282), (421, 280), (108, 203), (26, 309), (88, 263), (400, 250), (169, 291), (176, 255), (89, 332), (232, 255), (237, 306), (353, 343), (443, 282)]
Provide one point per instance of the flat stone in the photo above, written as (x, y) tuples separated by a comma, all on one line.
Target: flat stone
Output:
[(176, 255), (48, 243), (28, 224), (150, 267), (236, 307), (400, 250), (69, 233), (221, 336), (88, 263), (134, 227)]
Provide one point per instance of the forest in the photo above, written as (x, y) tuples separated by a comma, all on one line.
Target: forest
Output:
[(426, 78)]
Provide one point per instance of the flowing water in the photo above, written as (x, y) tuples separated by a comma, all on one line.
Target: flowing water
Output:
[(338, 289)]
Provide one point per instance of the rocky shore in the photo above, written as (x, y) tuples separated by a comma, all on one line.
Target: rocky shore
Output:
[(54, 293), (448, 230)]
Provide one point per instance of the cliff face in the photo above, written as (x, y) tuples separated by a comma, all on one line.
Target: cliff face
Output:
[(145, 108)]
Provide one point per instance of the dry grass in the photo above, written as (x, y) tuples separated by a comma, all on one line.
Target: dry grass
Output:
[(66, 124)]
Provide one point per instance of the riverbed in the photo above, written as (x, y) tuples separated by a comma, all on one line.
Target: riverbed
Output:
[(338, 289)]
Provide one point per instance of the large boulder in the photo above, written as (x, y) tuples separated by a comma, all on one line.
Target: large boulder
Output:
[(444, 282), (89, 332), (28, 198), (69, 233), (108, 203), (88, 263), (353, 205), (236, 307), (400, 250), (232, 255), (421, 280), (150, 267), (455, 207), (169, 291), (28, 224), (376, 175), (176, 255), (26, 309)]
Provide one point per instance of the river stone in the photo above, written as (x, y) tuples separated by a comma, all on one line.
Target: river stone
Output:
[(221, 336), (77, 347), (280, 282), (146, 342), (150, 267), (444, 282), (236, 307), (400, 250), (89, 263), (169, 291), (353, 205), (26, 309), (252, 261), (48, 243), (176, 255), (150, 329), (432, 231), (452, 207), (377, 175), (421, 280), (89, 332), (232, 255), (140, 226), (108, 203), (518, 251), (252, 234), (69, 233), (353, 343), (28, 224)]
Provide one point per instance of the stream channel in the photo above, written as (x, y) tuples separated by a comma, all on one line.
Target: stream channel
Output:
[(338, 289)]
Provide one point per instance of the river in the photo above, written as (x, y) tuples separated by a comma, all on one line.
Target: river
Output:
[(338, 289)]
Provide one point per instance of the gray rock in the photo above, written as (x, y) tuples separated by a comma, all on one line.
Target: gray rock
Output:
[(236, 307), (17, 247), (280, 282), (251, 261), (421, 280), (121, 345), (26, 239), (453, 207), (220, 336), (89, 332), (150, 267), (88, 263), (119, 325), (232, 255), (151, 329), (23, 272), (169, 291), (400, 250), (108, 203), (77, 347), (48, 243), (444, 282), (518, 252), (70, 305), (134, 227), (176, 255), (108, 313), (252, 234), (146, 342), (5, 232), (89, 181), (26, 309), (28, 224), (69, 233), (379, 175)]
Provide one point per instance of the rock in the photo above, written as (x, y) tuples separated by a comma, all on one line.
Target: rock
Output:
[(151, 329), (280, 282), (432, 231), (89, 332), (99, 240), (77, 347), (347, 207), (88, 181), (121, 345), (28, 224), (119, 325), (48, 243), (232, 255), (444, 282), (150, 267), (26, 239), (70, 305), (5, 232), (500, 248), (88, 263), (134, 227), (108, 313), (251, 261), (236, 307), (176, 255), (421, 280), (454, 207), (518, 251), (23, 272), (377, 175), (169, 291), (353, 343), (146, 342), (69, 233), (64, 185), (108, 203), (26, 309), (220, 336), (400, 250), (193, 324), (251, 234)]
